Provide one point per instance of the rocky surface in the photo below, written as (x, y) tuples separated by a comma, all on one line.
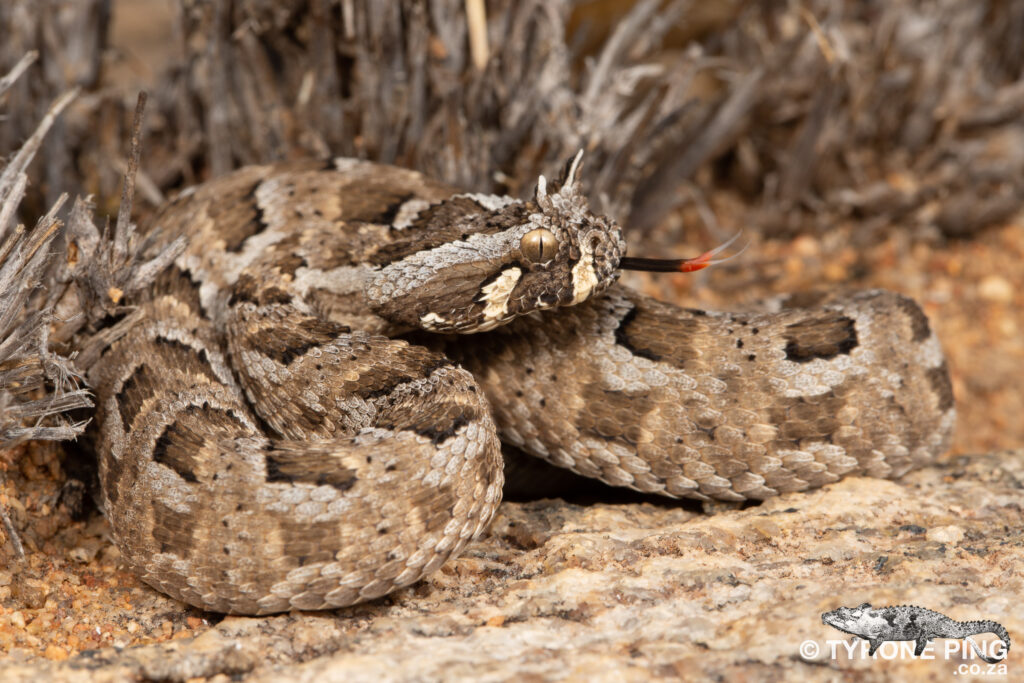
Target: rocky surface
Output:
[(611, 592)]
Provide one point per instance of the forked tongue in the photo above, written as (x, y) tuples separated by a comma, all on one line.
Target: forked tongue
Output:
[(688, 265)]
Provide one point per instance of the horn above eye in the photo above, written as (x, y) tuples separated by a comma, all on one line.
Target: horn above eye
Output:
[(539, 246)]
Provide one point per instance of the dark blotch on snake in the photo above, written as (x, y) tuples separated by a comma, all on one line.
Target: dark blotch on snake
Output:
[(825, 336)]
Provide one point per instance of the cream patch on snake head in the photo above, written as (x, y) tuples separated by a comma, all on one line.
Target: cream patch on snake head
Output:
[(408, 212), (432, 321), (496, 294), (584, 277)]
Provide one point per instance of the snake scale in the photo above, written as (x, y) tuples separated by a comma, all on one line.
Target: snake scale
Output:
[(279, 432)]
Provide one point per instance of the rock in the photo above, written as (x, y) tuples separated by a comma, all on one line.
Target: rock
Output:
[(30, 591), (633, 591)]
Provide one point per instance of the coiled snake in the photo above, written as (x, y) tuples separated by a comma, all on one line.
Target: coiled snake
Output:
[(269, 441)]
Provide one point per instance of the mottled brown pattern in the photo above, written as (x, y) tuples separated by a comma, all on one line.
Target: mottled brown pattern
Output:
[(178, 284), (442, 421), (705, 420), (181, 442), (285, 256), (450, 221), (136, 389), (172, 531), (374, 204), (942, 386), (822, 337), (237, 211), (920, 330), (176, 448), (308, 468), (655, 333), (188, 359), (286, 343), (267, 443)]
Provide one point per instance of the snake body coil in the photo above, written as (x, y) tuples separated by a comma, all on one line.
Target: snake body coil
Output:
[(269, 439)]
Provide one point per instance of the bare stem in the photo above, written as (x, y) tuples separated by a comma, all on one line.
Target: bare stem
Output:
[(19, 549), (128, 191), (14, 74)]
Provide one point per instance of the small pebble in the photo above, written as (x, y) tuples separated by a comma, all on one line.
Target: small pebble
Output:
[(945, 534), (995, 288), (57, 654)]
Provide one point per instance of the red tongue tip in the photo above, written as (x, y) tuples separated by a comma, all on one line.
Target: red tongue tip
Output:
[(699, 263)]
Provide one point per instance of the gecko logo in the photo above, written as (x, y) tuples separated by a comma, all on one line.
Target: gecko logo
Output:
[(907, 622)]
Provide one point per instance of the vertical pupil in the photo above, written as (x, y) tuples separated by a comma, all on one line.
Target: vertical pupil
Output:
[(539, 245)]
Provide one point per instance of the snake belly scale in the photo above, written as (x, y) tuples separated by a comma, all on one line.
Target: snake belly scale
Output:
[(270, 439)]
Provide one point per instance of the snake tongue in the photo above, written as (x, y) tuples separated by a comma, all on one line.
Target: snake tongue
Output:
[(690, 265)]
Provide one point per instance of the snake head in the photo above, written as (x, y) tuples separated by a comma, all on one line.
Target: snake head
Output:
[(507, 258)]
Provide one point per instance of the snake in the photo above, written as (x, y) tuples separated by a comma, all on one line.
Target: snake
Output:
[(311, 409)]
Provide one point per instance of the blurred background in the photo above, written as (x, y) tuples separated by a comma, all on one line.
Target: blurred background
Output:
[(855, 144)]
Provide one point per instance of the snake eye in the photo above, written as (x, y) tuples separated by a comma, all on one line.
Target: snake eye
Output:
[(539, 246)]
